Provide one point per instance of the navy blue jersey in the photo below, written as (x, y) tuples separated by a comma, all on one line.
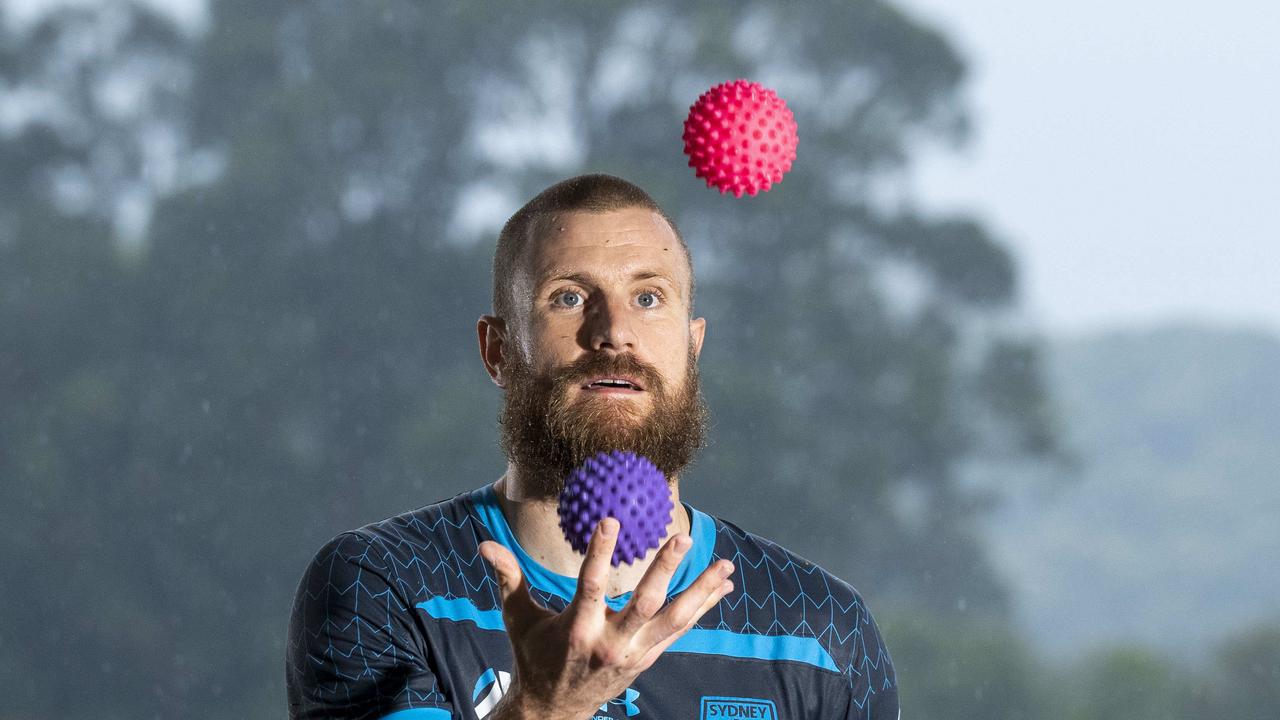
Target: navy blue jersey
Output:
[(402, 619)]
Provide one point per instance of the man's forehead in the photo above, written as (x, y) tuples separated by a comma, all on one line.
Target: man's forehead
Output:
[(632, 240)]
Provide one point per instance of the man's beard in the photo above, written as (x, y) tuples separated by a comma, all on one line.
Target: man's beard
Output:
[(546, 435)]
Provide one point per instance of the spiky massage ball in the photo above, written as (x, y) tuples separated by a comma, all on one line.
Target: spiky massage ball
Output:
[(740, 137), (624, 486)]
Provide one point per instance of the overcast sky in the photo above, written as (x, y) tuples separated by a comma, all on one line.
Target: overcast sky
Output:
[(1128, 151)]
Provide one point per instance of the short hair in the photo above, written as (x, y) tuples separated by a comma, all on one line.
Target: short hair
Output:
[(594, 193)]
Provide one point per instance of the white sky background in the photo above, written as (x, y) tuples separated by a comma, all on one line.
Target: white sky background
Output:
[(1128, 151), (20, 14)]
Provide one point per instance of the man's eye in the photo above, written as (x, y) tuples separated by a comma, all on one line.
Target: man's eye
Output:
[(569, 298), (647, 299)]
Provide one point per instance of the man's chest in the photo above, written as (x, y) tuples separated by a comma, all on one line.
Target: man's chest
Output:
[(475, 669)]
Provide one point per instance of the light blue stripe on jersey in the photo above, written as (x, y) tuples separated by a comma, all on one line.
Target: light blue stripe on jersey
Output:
[(706, 641), (419, 714), (463, 609), (703, 641)]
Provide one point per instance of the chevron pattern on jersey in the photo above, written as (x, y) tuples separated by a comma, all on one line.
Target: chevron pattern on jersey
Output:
[(350, 645), (353, 644), (779, 593), (358, 596)]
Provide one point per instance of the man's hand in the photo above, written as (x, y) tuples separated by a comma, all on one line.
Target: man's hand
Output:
[(571, 663)]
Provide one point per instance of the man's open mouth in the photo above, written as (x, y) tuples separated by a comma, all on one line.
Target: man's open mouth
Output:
[(613, 383)]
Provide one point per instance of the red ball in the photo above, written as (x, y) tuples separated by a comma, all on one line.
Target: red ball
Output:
[(740, 137)]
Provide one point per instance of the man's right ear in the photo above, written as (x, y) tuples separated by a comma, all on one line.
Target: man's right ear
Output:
[(492, 334)]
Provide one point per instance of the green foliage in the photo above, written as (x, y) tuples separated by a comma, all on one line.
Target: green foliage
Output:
[(1247, 685), (1128, 683), (956, 667)]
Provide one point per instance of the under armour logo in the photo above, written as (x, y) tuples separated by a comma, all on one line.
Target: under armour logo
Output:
[(627, 700)]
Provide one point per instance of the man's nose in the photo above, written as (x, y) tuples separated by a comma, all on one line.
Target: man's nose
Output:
[(608, 327)]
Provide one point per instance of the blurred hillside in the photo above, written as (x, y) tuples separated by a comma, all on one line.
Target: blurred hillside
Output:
[(1167, 535)]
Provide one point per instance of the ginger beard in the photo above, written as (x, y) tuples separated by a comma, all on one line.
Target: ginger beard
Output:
[(546, 435)]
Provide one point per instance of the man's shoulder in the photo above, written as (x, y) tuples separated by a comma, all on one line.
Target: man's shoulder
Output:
[(757, 556), (453, 518), (431, 550), (780, 592)]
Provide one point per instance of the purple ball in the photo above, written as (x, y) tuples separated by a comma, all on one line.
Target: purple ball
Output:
[(624, 486)]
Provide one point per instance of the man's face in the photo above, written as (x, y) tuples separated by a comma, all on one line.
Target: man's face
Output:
[(602, 354)]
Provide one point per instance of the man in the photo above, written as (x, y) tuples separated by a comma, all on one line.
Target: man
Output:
[(595, 347)]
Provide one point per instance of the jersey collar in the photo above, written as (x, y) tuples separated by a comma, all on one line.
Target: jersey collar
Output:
[(702, 530)]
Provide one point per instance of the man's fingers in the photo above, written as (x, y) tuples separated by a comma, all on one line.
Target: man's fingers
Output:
[(593, 578), (712, 600), (689, 606), (517, 605), (651, 592)]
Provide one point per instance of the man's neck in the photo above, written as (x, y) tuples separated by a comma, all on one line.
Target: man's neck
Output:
[(536, 525)]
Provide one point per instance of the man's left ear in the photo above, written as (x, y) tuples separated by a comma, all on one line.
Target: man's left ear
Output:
[(491, 332), (697, 331)]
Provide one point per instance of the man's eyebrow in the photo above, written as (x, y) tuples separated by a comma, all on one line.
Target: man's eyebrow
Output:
[(586, 279), (652, 275), (558, 275)]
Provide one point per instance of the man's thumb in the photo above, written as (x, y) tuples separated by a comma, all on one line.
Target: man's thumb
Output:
[(515, 597)]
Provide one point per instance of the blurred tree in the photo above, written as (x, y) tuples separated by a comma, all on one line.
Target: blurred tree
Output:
[(957, 668), (1128, 682), (208, 370), (90, 136), (1247, 684)]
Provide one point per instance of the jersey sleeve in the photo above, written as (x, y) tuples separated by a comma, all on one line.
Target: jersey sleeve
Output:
[(352, 651), (875, 687)]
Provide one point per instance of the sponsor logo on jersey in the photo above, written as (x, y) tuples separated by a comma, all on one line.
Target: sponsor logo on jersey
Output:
[(626, 700), (491, 686), (737, 708)]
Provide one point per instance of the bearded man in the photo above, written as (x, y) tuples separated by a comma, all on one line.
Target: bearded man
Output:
[(595, 347)]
